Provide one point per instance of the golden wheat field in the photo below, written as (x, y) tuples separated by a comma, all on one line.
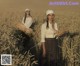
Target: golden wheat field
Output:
[(67, 17), (70, 44)]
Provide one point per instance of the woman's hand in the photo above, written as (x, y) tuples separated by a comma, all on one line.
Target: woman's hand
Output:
[(42, 46), (60, 32), (44, 53), (44, 49)]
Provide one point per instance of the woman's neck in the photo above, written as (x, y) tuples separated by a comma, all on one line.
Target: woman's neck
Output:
[(51, 21), (28, 15)]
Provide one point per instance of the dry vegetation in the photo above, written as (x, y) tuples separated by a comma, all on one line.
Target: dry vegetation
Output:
[(70, 43)]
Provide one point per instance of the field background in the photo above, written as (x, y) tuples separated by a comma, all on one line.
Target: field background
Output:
[(67, 17)]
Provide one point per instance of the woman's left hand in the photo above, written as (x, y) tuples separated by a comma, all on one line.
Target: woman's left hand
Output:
[(60, 33)]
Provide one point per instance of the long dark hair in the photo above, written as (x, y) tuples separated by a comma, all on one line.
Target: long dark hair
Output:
[(25, 16), (47, 21), (47, 26)]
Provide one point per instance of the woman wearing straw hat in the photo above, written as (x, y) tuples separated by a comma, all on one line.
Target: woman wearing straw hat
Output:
[(49, 45)]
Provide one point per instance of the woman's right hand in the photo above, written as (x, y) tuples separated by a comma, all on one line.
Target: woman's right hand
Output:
[(44, 50), (44, 53)]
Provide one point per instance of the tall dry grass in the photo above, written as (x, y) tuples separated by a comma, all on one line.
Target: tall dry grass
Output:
[(70, 43)]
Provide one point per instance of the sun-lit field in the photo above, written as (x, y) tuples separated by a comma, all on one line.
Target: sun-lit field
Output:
[(69, 44)]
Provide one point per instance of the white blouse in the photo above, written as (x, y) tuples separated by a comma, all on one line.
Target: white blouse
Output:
[(48, 33), (28, 22)]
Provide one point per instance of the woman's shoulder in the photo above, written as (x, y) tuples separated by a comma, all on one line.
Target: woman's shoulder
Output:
[(43, 25)]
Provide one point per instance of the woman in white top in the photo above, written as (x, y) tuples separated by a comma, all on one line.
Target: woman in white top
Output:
[(49, 43), (25, 29), (27, 20)]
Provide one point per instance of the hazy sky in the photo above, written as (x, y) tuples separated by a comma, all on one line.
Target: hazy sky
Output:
[(35, 5)]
